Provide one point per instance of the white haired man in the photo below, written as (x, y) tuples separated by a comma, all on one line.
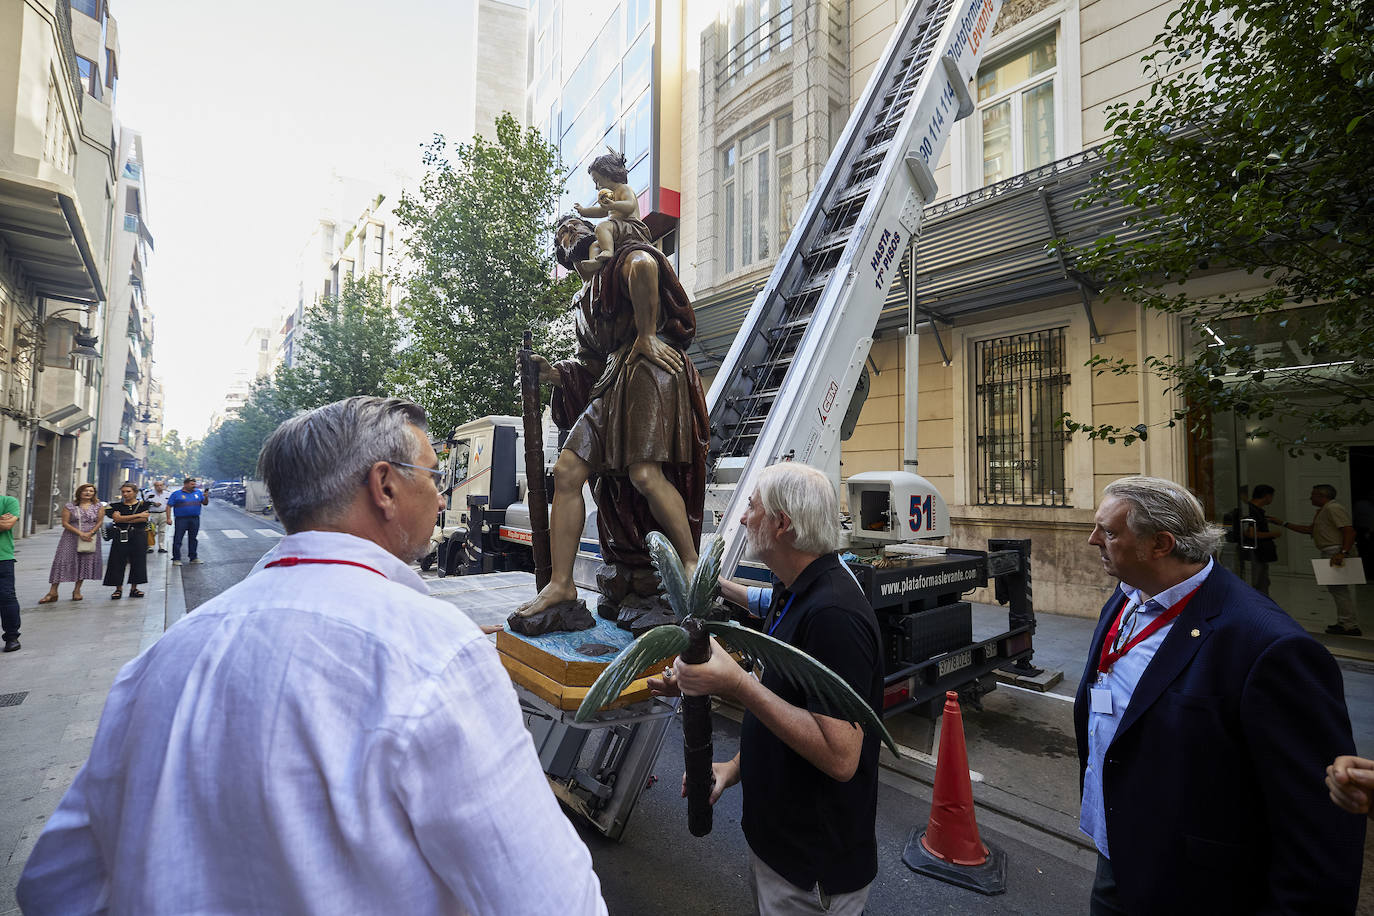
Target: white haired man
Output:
[(323, 737), (1205, 717), (810, 779)]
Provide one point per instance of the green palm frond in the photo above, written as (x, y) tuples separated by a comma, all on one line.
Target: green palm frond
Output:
[(803, 672), (656, 645), (705, 583), (670, 572)]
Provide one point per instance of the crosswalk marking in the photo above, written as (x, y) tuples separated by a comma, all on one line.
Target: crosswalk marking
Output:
[(234, 533), (268, 532)]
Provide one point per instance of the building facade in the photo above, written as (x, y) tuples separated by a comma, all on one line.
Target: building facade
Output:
[(1003, 330), (605, 76), (128, 336), (500, 36), (339, 251), (56, 185)]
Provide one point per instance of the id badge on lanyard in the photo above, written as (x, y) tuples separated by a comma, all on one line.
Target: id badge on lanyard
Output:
[(1100, 695)]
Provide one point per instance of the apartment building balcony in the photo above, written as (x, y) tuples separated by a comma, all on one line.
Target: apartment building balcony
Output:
[(40, 220), (42, 228), (66, 402)]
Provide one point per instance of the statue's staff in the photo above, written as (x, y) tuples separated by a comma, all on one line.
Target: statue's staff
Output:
[(534, 464)]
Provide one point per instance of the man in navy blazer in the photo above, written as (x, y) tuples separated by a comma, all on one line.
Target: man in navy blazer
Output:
[(1205, 720)]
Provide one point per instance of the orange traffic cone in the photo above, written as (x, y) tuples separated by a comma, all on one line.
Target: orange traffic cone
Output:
[(950, 848)]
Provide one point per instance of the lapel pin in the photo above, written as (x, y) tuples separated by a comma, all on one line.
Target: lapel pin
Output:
[(1197, 632)]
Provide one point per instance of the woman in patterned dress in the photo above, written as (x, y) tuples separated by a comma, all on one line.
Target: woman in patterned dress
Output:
[(80, 522)]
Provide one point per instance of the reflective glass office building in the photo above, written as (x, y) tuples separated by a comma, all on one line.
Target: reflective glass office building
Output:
[(599, 77)]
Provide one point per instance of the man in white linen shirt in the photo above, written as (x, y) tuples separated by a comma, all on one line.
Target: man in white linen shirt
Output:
[(323, 737)]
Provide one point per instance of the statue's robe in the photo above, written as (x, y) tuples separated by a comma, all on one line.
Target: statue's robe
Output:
[(623, 412)]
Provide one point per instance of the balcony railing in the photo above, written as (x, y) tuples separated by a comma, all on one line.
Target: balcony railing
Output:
[(753, 49), (63, 9)]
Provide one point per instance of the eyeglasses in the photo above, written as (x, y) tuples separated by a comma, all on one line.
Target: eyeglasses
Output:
[(437, 472)]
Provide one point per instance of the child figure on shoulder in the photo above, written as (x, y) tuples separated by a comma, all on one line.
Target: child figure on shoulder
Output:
[(616, 201)]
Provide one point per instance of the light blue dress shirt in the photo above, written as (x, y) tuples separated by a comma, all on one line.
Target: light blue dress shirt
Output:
[(1121, 680)]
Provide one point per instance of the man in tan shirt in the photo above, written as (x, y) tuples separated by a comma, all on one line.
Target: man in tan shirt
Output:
[(1333, 533)]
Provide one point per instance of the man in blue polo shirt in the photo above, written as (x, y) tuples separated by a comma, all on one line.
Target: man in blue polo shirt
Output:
[(185, 505)]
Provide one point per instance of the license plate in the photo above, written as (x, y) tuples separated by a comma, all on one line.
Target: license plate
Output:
[(954, 663)]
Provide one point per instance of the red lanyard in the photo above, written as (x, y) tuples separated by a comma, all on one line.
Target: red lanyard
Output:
[(301, 561), (1110, 656)]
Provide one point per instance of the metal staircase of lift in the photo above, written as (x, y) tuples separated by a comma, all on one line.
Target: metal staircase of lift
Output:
[(786, 381)]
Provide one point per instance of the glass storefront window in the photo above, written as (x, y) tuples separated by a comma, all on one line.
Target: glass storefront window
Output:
[(1227, 461)]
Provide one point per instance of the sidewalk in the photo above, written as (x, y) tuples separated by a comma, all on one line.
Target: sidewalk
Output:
[(57, 685)]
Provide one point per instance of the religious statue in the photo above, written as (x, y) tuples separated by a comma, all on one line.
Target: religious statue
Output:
[(639, 427), (616, 201)]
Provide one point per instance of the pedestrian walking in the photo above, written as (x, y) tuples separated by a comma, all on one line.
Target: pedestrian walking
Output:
[(325, 736), (159, 515), (186, 504), (129, 546), (1333, 533), (9, 601), (78, 550), (1204, 718)]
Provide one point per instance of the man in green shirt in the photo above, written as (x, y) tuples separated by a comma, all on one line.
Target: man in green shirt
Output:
[(9, 603)]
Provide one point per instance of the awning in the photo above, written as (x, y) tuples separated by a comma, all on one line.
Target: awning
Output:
[(991, 248), (43, 231)]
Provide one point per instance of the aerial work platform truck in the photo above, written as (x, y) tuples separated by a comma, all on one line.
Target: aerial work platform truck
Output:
[(782, 394)]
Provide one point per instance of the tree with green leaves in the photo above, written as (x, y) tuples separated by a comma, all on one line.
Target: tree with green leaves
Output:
[(347, 347), (479, 237), (1252, 152), (232, 449), (171, 457)]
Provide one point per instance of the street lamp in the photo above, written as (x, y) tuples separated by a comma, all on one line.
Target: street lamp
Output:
[(84, 350), (83, 344)]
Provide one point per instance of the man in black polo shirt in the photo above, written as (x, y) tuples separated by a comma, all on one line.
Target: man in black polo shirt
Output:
[(810, 779)]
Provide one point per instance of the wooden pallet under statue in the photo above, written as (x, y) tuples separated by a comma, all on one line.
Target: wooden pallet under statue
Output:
[(552, 667)]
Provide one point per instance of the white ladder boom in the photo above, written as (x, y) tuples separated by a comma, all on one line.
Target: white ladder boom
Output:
[(787, 379)]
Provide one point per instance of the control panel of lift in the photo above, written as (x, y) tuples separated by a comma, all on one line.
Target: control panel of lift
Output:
[(889, 507)]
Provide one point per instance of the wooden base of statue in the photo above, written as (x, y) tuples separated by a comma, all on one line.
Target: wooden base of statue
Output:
[(559, 668)]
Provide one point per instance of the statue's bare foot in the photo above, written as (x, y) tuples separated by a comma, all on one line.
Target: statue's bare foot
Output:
[(551, 595)]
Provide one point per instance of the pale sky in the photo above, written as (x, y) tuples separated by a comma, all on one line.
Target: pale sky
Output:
[(246, 110)]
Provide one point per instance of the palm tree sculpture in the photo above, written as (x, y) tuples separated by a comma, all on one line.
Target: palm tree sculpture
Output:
[(690, 639)]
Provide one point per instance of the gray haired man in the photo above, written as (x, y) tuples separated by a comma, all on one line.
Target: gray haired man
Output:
[(1205, 717), (323, 737), (810, 779)]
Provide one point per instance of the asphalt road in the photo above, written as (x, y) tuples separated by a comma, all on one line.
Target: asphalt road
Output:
[(230, 542)]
